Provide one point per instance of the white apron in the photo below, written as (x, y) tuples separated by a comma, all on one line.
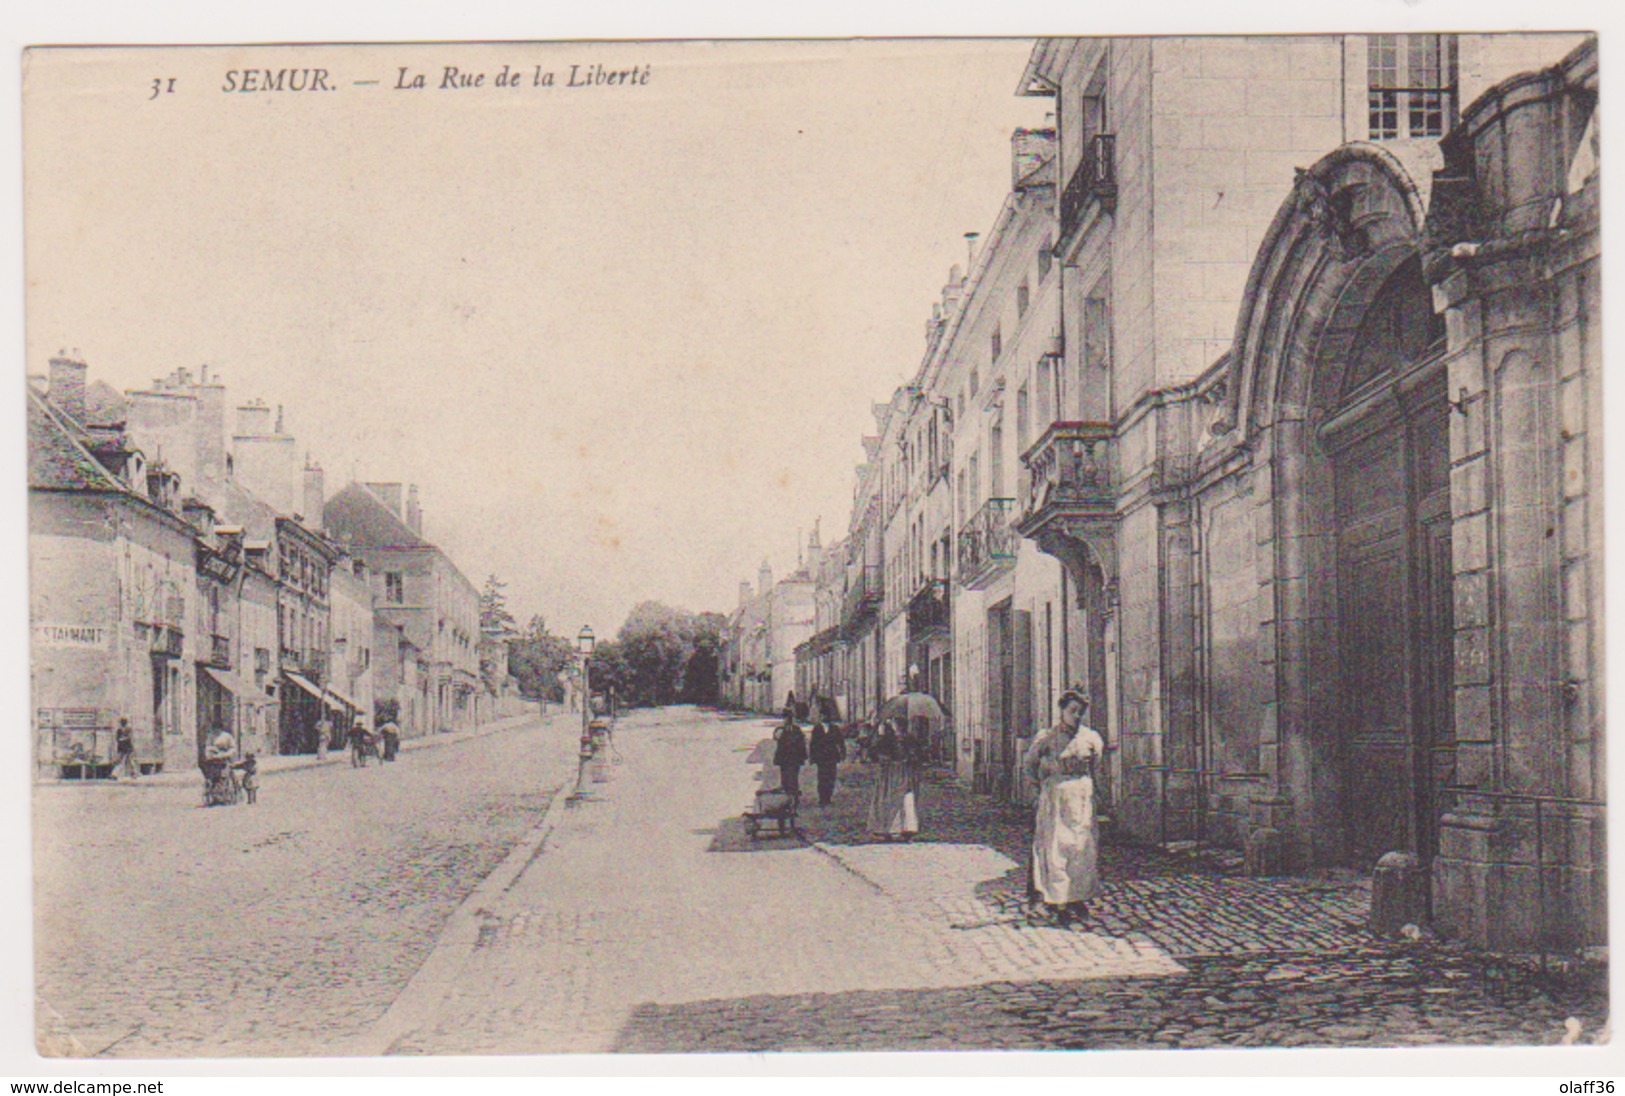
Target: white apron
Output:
[(1064, 848)]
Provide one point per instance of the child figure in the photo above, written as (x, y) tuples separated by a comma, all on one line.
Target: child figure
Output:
[(251, 778)]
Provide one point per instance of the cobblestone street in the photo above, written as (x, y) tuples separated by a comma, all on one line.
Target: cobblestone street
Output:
[(652, 923), (286, 928)]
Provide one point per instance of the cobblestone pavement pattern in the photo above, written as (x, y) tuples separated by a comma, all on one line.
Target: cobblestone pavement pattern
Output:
[(286, 928), (653, 923)]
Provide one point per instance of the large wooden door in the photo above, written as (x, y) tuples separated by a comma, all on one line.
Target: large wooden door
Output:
[(1395, 629)]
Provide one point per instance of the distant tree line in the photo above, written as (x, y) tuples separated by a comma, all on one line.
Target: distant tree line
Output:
[(660, 656)]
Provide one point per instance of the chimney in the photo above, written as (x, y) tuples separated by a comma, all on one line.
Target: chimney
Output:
[(67, 383), (764, 579), (744, 594), (211, 430), (970, 250), (315, 495), (253, 419), (414, 511)]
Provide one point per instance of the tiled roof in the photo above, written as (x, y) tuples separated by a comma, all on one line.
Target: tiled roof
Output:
[(57, 460), (105, 405), (355, 516)]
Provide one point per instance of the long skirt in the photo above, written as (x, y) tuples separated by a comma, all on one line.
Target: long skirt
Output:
[(826, 783), (1064, 848), (893, 810)]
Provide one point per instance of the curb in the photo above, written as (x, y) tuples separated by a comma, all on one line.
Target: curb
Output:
[(301, 762), (416, 1005)]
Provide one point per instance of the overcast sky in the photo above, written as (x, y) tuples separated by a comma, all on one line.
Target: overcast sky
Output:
[(626, 338)]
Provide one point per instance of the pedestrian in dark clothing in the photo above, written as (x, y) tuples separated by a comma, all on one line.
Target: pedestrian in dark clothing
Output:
[(826, 750), (124, 745), (789, 755), (391, 734), (250, 768)]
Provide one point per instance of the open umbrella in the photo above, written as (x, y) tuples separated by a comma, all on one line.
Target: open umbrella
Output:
[(923, 722), (911, 706)]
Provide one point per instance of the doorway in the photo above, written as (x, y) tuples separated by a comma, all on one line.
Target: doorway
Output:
[(1389, 445)]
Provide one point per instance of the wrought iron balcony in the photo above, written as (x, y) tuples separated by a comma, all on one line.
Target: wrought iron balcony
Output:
[(220, 652), (863, 595), (1094, 179), (928, 609), (164, 640), (1069, 474), (988, 544)]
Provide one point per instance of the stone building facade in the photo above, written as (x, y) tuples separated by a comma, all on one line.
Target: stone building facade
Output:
[(1313, 493), (419, 590), (1305, 486)]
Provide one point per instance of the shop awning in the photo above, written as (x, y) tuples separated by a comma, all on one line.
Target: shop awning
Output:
[(338, 699), (238, 686), (303, 683)]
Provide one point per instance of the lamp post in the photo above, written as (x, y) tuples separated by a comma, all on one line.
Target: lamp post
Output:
[(585, 641), (584, 644)]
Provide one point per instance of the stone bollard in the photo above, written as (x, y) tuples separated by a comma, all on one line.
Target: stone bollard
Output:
[(1266, 853), (1399, 894)]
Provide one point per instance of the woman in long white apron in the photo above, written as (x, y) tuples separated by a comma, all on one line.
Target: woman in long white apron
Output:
[(1061, 761)]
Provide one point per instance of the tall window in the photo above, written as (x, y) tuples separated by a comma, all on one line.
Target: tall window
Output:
[(1023, 296), (394, 588), (995, 462), (1411, 85), (1045, 257), (1097, 332), (997, 345), (1024, 420)]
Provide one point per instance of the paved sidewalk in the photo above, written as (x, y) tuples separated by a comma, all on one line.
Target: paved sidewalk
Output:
[(278, 763), (969, 865)]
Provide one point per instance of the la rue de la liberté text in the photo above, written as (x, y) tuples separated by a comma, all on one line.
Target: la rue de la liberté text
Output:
[(440, 78)]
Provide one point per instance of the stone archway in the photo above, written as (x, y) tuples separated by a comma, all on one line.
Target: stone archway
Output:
[(1330, 418)]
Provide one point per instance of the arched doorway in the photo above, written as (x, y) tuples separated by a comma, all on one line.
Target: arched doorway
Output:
[(1386, 432), (1340, 398)]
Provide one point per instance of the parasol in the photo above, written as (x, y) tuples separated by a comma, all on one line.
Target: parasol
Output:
[(911, 706)]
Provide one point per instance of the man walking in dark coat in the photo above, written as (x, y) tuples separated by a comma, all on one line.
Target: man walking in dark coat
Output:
[(826, 750), (789, 754)]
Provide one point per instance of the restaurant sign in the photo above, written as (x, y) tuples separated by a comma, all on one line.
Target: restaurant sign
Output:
[(70, 635)]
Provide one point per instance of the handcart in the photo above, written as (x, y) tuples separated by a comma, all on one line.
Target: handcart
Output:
[(772, 805)]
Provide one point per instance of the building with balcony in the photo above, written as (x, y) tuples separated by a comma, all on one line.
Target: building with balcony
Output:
[(865, 588), (992, 374), (113, 589), (1319, 469), (821, 659)]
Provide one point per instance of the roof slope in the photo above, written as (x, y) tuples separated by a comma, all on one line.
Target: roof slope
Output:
[(57, 459), (356, 516)]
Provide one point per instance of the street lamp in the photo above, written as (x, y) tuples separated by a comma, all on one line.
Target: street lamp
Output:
[(585, 641)]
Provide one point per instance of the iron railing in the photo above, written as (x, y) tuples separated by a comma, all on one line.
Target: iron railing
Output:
[(1094, 178), (988, 543)]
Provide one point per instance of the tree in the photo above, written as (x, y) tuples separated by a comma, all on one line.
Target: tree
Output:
[(494, 615), (537, 658), (661, 656)]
